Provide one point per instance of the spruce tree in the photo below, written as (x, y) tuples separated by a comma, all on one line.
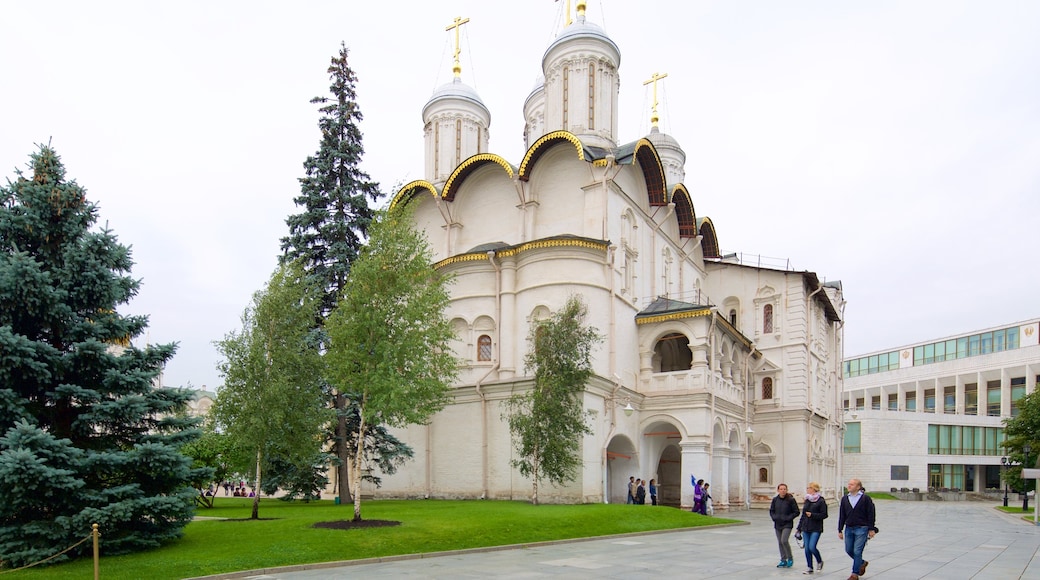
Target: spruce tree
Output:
[(85, 435), (328, 234), (334, 192)]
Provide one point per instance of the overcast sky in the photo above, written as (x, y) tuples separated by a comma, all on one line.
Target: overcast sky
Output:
[(894, 146)]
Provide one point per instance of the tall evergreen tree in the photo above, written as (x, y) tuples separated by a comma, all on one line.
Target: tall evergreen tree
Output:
[(548, 421), (328, 234), (334, 192), (390, 343), (85, 436), (272, 404)]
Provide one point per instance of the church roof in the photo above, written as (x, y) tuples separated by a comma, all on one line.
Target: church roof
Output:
[(583, 29), (456, 89), (668, 308)]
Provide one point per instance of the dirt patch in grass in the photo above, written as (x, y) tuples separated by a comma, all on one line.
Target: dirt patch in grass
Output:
[(352, 525)]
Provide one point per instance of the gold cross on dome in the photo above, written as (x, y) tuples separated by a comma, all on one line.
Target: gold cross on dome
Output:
[(653, 107), (457, 25)]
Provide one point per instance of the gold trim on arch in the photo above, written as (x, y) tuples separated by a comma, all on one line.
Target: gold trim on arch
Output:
[(509, 252), (478, 158), (417, 184), (554, 136)]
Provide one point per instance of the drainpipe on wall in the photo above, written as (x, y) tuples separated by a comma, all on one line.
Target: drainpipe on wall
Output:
[(810, 375), (840, 354), (494, 367), (612, 357), (610, 433)]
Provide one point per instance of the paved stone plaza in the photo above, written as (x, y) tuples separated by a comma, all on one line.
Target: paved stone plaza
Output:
[(948, 540)]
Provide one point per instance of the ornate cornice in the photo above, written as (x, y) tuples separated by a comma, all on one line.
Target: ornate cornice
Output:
[(673, 316), (526, 247)]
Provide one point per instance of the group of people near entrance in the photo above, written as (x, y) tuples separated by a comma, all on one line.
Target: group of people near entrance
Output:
[(855, 525), (639, 489)]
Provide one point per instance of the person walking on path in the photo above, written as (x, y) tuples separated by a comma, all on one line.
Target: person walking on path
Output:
[(653, 492), (640, 492), (709, 509), (631, 490), (698, 498), (783, 510), (856, 525), (810, 526)]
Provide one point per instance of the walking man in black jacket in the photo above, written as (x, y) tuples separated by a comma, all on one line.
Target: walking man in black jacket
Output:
[(856, 525)]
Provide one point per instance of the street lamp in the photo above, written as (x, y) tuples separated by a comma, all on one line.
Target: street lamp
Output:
[(1004, 462)]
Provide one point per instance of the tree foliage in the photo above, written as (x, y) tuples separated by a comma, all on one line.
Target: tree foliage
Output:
[(85, 436), (1021, 431), (211, 459), (327, 235), (549, 421), (390, 343), (271, 404)]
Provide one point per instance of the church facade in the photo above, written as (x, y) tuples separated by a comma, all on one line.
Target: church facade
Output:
[(707, 366)]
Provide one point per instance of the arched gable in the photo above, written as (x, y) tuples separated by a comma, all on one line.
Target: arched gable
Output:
[(548, 141), (684, 213), (653, 172), (650, 164), (710, 245), (411, 190), (470, 165)]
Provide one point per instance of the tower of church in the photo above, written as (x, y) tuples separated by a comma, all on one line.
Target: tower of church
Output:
[(455, 121), (581, 87)]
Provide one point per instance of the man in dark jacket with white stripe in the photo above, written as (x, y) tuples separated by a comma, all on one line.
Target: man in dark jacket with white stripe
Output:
[(856, 525)]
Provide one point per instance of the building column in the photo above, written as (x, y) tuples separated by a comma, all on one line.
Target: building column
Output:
[(960, 394), (1005, 393), (696, 460)]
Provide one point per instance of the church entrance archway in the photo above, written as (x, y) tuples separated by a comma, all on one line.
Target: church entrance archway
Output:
[(622, 463), (669, 490)]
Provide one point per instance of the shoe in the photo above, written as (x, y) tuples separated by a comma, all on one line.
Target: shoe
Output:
[(790, 563), (854, 577), (809, 571), (863, 568), (782, 564), (819, 566)]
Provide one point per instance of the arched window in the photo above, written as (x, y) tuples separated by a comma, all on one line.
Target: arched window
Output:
[(767, 318), (763, 475), (673, 353), (733, 317), (767, 388), (484, 348)]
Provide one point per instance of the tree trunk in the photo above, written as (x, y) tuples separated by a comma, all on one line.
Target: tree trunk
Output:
[(256, 496), (534, 477), (357, 467), (342, 452)]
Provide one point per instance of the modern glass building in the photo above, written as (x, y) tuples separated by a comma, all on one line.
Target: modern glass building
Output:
[(931, 415)]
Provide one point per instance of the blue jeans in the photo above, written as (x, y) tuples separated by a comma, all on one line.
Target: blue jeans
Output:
[(810, 539), (855, 541)]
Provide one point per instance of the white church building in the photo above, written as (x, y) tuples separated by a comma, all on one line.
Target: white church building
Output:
[(708, 366)]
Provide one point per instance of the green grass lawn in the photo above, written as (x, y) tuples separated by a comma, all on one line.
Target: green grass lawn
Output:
[(287, 538)]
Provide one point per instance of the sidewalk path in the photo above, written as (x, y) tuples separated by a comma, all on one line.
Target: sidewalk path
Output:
[(933, 540)]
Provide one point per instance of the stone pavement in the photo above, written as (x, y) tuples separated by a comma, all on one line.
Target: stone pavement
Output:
[(948, 540)]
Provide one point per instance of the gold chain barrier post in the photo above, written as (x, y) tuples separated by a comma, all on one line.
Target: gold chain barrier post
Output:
[(95, 534)]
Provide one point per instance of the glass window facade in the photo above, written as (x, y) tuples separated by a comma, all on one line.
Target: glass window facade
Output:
[(965, 440), (852, 437), (955, 348)]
